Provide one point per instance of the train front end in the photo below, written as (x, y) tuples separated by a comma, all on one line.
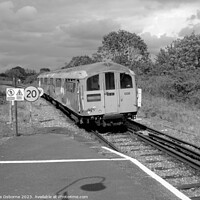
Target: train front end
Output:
[(111, 96)]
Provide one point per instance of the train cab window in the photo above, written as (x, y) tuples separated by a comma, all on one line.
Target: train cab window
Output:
[(110, 81), (125, 81), (58, 82), (93, 83)]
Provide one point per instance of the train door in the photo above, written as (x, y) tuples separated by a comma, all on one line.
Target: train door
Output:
[(127, 93), (93, 96), (110, 93)]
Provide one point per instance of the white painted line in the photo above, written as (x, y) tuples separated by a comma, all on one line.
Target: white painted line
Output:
[(59, 161), (152, 174)]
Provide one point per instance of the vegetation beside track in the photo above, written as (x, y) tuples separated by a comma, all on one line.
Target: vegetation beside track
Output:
[(172, 98), (7, 129)]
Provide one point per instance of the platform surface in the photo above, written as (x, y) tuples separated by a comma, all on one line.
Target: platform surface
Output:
[(55, 166)]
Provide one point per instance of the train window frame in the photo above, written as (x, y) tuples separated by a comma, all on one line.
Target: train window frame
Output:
[(125, 84), (93, 83)]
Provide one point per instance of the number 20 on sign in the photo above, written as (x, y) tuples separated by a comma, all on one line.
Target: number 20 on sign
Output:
[(31, 93)]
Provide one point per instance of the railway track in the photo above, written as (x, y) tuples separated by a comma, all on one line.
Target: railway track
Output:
[(175, 160), (182, 150), (159, 152)]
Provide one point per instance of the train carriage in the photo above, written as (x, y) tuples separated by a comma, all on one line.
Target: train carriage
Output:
[(104, 93)]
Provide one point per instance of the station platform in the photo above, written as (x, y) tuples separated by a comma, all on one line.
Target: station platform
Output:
[(56, 166)]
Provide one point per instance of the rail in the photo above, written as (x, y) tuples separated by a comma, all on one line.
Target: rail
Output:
[(181, 150)]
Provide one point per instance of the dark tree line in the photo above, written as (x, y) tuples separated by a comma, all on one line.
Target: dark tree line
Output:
[(25, 75)]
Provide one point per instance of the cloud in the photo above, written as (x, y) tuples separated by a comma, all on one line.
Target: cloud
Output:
[(189, 29), (193, 25), (194, 16), (85, 35), (11, 19), (174, 1), (6, 11), (26, 13), (91, 30), (155, 43)]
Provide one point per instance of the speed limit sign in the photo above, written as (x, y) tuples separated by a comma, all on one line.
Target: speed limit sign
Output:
[(31, 93)]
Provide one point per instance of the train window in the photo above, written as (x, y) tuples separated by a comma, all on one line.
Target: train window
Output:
[(51, 81), (58, 82), (93, 83), (70, 86), (45, 81), (110, 81), (125, 81), (41, 80)]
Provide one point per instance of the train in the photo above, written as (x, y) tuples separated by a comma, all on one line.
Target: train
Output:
[(104, 93)]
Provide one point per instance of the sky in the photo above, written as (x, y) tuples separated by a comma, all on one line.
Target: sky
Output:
[(47, 33)]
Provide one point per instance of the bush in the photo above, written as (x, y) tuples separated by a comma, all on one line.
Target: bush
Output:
[(2, 97), (157, 86), (182, 86), (30, 79)]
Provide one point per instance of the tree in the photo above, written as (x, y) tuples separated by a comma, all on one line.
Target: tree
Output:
[(30, 72), (123, 47), (79, 60), (181, 53), (16, 72), (3, 75), (44, 70), (96, 57)]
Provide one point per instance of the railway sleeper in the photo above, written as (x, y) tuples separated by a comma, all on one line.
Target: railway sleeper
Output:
[(188, 186)]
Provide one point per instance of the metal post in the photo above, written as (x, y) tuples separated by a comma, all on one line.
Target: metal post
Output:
[(16, 119), (11, 113), (30, 119)]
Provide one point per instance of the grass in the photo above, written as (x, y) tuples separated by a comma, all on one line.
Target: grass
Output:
[(180, 115), (7, 129)]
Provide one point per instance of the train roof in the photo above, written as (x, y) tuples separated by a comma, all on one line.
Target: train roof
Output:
[(84, 71)]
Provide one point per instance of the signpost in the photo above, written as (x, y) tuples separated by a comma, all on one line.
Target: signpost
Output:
[(10, 94), (30, 94), (14, 94)]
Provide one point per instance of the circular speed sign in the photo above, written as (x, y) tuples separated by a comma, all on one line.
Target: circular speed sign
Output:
[(31, 93)]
